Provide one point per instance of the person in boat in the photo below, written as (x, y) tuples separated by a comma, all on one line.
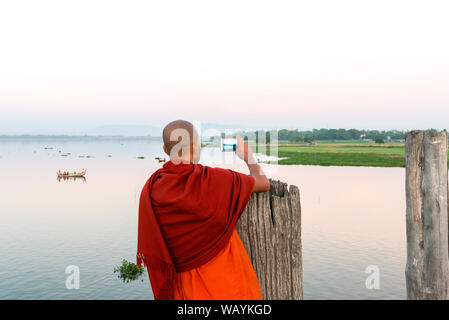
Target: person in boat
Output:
[(187, 218)]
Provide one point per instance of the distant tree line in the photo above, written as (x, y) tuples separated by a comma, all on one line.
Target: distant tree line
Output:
[(339, 134), (296, 136)]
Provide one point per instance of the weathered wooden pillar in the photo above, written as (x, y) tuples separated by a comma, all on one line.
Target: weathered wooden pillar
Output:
[(427, 269), (270, 229)]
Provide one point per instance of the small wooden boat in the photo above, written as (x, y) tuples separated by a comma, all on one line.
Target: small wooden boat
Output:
[(72, 175)]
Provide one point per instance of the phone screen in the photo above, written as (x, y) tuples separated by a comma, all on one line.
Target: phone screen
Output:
[(228, 144)]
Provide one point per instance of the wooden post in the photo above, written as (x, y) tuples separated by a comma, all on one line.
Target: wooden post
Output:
[(427, 269), (270, 229)]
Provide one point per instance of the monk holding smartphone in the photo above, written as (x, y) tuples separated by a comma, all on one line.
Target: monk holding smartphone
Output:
[(187, 218)]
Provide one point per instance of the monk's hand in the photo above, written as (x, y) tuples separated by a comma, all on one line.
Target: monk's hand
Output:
[(244, 151)]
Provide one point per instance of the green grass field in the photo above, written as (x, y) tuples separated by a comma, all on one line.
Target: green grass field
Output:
[(344, 154)]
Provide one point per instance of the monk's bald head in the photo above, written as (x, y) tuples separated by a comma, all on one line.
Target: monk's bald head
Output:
[(179, 136)]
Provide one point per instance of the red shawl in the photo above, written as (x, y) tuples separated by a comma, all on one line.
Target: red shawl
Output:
[(187, 214)]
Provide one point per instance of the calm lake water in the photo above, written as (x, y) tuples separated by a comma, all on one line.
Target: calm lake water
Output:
[(352, 218)]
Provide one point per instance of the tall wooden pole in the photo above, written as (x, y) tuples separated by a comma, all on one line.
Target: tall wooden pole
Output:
[(270, 229), (427, 269)]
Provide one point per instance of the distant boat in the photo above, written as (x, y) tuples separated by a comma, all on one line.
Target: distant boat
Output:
[(72, 175)]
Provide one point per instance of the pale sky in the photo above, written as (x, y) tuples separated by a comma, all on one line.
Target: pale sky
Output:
[(67, 66)]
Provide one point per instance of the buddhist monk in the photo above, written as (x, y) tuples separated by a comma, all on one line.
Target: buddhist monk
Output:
[(187, 218)]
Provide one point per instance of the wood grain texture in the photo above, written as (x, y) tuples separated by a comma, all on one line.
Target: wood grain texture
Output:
[(270, 229), (427, 268)]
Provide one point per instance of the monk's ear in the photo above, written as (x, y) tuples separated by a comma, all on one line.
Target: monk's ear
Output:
[(165, 150)]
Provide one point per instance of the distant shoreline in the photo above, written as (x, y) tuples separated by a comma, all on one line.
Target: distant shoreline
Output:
[(319, 153), (75, 138)]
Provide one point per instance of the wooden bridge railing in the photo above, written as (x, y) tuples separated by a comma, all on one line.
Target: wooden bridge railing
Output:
[(270, 229), (427, 269)]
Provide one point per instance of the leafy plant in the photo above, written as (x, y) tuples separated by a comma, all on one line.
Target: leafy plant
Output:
[(128, 271)]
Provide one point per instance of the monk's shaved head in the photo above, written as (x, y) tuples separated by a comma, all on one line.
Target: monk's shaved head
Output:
[(179, 136)]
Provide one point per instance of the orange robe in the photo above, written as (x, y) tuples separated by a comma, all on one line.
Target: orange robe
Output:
[(228, 276)]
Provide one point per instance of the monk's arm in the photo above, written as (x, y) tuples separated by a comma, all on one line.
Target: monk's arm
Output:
[(261, 182), (245, 153)]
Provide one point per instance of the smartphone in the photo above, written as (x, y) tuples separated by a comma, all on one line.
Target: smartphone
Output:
[(228, 144)]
